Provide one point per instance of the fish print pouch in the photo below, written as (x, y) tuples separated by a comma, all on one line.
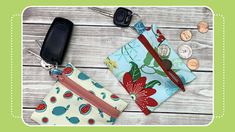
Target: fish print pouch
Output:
[(76, 99), (140, 69)]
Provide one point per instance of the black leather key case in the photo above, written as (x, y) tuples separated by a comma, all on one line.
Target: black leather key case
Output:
[(56, 41)]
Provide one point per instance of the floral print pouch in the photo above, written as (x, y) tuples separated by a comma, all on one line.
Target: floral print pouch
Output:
[(141, 75), (63, 107)]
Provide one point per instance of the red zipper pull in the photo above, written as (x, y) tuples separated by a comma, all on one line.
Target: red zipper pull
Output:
[(176, 79)]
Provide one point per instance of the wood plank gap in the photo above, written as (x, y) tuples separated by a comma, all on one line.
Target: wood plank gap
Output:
[(32, 108), (185, 113), (164, 27), (105, 68), (201, 70), (75, 66)]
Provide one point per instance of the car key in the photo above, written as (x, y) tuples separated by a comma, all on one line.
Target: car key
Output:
[(121, 18), (56, 41), (42, 62)]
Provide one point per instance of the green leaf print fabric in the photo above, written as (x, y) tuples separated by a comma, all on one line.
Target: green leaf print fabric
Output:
[(63, 107)]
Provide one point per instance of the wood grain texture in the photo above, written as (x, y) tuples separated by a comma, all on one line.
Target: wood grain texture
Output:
[(134, 118), (95, 37), (177, 17), (89, 46), (196, 99)]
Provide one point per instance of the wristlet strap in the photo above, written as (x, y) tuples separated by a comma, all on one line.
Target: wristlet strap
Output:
[(139, 27)]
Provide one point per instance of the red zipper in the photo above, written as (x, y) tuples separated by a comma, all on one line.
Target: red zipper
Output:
[(170, 73), (88, 96)]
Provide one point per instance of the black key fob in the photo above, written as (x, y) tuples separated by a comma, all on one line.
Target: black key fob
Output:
[(56, 41), (122, 17)]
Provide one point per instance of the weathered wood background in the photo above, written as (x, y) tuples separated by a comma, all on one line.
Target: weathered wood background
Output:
[(95, 37)]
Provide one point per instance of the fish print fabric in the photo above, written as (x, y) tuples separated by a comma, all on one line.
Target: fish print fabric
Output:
[(141, 75), (63, 107)]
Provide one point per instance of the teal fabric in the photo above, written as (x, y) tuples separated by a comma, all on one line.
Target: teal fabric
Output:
[(135, 54)]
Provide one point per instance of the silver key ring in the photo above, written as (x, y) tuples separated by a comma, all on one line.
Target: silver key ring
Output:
[(42, 62), (46, 65)]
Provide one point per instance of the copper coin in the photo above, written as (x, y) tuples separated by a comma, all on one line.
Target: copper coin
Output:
[(193, 64), (203, 27), (167, 64), (186, 35)]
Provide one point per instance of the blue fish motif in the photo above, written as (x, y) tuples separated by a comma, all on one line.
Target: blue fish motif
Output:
[(57, 90), (79, 98), (97, 84), (82, 76), (103, 94), (112, 119), (73, 120), (60, 110), (101, 113)]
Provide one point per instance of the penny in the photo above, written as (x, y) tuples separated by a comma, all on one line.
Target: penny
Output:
[(167, 64), (186, 35), (163, 50), (203, 27), (193, 64), (185, 51)]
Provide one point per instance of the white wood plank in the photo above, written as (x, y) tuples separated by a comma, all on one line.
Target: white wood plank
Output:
[(89, 45), (137, 118), (198, 97), (180, 17), (33, 31)]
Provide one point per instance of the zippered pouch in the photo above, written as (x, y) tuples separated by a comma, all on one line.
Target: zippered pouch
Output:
[(76, 99), (140, 73)]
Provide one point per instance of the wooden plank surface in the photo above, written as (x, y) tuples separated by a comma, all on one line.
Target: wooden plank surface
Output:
[(138, 118), (94, 33), (105, 40), (176, 17), (37, 84)]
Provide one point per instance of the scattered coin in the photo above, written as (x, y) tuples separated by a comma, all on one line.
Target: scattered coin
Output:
[(193, 64), (186, 35), (167, 64), (203, 27), (163, 50), (185, 51)]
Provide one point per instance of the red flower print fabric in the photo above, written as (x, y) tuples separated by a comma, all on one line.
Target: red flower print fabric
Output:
[(139, 72), (139, 93)]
